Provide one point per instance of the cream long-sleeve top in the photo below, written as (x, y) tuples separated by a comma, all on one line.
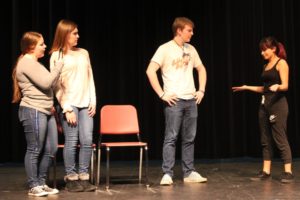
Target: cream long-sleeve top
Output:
[(36, 82), (75, 86)]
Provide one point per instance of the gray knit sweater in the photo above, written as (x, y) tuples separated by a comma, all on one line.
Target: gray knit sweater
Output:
[(36, 82)]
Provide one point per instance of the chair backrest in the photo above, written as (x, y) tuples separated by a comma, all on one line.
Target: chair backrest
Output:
[(119, 119)]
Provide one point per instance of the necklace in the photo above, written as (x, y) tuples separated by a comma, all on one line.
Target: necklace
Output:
[(180, 46), (185, 56)]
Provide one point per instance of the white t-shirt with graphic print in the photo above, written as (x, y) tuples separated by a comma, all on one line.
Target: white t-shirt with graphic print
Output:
[(177, 66)]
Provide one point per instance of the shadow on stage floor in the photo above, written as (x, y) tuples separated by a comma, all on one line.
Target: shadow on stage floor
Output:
[(227, 179)]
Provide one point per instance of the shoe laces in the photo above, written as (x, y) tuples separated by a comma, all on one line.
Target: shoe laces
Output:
[(37, 189)]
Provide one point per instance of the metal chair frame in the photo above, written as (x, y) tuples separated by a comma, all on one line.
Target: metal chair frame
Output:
[(123, 129)]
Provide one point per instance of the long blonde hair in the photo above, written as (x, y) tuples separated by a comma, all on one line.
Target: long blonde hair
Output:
[(28, 42), (63, 28)]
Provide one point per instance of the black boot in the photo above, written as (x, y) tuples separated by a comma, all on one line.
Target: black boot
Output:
[(74, 186), (87, 186)]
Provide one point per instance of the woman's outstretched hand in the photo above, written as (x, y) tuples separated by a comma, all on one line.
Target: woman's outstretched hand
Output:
[(239, 88)]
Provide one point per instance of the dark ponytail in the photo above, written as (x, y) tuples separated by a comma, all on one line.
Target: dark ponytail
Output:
[(281, 53)]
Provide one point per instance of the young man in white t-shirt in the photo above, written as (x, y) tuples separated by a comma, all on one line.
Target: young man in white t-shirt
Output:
[(177, 59)]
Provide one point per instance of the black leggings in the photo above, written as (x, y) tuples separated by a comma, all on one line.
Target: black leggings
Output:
[(273, 124)]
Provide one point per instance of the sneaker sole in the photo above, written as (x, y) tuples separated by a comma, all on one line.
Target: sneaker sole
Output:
[(166, 184), (79, 190), (195, 181), (260, 179), (52, 193), (38, 195), (287, 181), (90, 190)]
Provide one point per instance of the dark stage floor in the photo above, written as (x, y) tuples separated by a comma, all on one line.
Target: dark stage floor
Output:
[(227, 179)]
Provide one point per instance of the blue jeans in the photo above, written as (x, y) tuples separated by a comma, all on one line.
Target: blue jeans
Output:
[(182, 116), (83, 132), (41, 134)]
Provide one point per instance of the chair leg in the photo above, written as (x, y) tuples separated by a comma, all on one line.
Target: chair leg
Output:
[(107, 167), (98, 166), (146, 167), (141, 164), (54, 171), (92, 167)]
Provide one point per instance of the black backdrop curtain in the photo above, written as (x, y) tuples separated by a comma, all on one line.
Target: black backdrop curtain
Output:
[(122, 36)]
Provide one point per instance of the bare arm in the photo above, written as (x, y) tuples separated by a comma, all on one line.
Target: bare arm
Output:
[(153, 79), (283, 69), (257, 89), (202, 77)]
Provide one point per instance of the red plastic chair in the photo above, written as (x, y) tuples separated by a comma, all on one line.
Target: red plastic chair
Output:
[(120, 120)]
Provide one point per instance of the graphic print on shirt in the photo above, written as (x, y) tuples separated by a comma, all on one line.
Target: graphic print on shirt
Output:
[(183, 61)]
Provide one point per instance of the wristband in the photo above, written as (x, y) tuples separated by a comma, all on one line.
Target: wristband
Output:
[(161, 96), (202, 91)]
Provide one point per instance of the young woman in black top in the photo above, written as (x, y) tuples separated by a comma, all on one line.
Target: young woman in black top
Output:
[(273, 110)]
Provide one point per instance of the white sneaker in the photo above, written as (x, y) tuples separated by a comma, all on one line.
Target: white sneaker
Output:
[(194, 177), (37, 192), (166, 180), (50, 190)]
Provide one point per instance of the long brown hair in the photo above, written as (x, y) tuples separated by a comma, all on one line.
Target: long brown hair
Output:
[(63, 28), (28, 42)]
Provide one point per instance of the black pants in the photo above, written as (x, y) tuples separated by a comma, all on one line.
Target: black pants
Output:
[(273, 127)]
